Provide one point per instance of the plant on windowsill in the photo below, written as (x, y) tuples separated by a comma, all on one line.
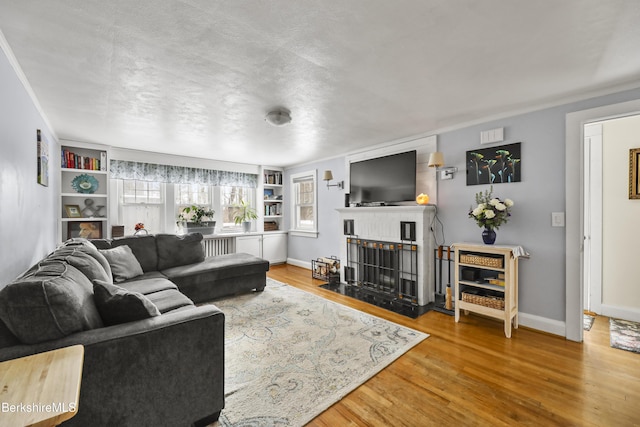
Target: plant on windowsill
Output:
[(244, 214), (197, 219)]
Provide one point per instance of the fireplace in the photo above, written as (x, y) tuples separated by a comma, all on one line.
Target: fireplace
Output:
[(388, 252)]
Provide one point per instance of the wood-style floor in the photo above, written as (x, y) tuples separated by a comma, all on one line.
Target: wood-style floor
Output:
[(468, 373)]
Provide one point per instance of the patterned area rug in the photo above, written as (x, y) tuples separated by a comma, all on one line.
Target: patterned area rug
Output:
[(587, 322), (290, 354), (625, 335)]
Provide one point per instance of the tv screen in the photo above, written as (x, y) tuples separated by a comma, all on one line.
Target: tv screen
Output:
[(387, 179)]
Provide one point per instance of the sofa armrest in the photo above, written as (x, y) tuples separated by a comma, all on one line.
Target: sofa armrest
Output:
[(166, 370)]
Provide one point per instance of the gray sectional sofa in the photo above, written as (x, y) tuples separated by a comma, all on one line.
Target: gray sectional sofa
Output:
[(152, 357)]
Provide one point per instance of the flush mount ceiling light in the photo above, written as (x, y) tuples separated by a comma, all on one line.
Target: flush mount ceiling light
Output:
[(278, 117)]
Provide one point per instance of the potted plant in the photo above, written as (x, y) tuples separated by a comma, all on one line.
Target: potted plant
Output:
[(197, 219), (244, 214)]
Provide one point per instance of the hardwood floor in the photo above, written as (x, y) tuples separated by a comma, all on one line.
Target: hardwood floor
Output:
[(470, 374)]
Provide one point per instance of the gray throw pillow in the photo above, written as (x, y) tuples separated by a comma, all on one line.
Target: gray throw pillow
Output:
[(89, 266), (118, 305), (124, 265)]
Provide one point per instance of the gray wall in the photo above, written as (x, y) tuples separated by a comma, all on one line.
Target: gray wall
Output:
[(304, 249), (28, 211)]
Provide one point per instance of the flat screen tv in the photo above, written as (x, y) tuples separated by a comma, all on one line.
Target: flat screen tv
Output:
[(388, 179)]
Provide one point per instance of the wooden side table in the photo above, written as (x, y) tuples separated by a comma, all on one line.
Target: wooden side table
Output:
[(42, 389)]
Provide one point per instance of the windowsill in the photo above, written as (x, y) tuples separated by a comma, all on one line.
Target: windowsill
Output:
[(304, 233)]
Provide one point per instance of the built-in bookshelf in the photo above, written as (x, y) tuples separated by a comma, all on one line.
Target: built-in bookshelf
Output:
[(84, 191), (273, 199)]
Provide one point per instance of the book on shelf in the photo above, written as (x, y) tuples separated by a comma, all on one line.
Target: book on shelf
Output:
[(71, 160)]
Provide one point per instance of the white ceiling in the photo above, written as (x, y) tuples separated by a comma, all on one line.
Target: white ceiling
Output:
[(197, 77)]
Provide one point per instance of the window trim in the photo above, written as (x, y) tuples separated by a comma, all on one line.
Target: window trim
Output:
[(293, 231)]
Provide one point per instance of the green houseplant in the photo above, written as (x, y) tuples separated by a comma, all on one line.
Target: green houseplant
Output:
[(197, 219), (244, 214)]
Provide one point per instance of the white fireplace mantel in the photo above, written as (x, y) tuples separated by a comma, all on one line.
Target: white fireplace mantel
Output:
[(383, 223)]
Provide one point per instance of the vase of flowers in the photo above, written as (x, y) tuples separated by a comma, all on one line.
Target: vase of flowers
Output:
[(490, 213)]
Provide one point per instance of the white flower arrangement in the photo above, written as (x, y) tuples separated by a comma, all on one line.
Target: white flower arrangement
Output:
[(490, 212)]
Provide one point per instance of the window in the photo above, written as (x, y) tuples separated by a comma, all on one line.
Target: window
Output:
[(232, 196), (304, 214), (141, 201), (193, 194)]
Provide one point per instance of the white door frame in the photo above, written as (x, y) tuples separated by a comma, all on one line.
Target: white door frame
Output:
[(574, 206)]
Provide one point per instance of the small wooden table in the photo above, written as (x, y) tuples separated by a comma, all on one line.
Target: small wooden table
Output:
[(42, 389)]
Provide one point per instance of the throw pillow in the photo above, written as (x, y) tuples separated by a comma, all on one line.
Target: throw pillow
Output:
[(88, 265), (174, 250), (124, 265), (118, 305)]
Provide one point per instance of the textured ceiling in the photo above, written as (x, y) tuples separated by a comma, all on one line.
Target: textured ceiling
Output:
[(197, 77)]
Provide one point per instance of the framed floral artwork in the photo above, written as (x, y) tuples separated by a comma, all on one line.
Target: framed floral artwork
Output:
[(501, 164)]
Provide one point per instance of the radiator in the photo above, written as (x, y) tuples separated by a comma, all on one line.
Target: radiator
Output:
[(219, 246)]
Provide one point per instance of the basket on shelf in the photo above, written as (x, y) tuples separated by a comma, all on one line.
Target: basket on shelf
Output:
[(489, 301), (484, 261)]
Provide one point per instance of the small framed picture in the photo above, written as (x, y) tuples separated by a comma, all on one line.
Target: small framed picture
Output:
[(634, 175), (73, 211), (268, 193), (85, 229)]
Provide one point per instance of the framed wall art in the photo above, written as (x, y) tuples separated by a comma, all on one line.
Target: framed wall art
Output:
[(634, 189), (494, 165), (43, 159), (85, 229)]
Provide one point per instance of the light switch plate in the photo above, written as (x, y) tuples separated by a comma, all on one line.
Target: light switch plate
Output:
[(557, 219)]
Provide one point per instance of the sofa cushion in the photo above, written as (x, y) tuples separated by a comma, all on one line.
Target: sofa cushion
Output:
[(89, 266), (118, 305), (52, 302), (143, 247), (169, 299), (149, 285), (124, 265), (84, 245), (174, 250)]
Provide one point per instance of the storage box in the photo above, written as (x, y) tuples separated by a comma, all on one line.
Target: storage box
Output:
[(485, 300), (482, 261)]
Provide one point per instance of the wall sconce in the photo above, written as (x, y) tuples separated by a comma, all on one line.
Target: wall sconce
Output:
[(436, 160), (328, 176)]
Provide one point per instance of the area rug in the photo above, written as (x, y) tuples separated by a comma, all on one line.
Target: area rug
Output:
[(587, 322), (289, 354), (625, 335)]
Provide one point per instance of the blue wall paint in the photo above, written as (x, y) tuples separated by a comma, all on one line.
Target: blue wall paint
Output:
[(28, 211)]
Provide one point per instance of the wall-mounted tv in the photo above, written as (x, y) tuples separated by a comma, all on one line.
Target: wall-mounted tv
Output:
[(388, 179)]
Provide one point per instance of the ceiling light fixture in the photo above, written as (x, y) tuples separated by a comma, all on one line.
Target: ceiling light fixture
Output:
[(278, 117)]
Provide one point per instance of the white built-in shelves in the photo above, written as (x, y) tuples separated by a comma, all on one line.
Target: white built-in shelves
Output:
[(84, 190), (273, 214)]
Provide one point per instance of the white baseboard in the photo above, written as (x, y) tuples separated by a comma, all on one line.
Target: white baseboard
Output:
[(298, 263), (625, 313), (555, 327)]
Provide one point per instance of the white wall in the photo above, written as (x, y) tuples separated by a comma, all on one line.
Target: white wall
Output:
[(28, 211), (621, 233)]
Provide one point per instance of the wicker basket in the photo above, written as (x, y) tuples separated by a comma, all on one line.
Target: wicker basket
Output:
[(496, 303), (483, 261)]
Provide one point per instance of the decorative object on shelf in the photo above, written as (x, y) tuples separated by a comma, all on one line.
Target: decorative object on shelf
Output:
[(43, 159), (436, 160), (139, 227), (73, 211), (494, 165), (328, 177), (422, 199), (634, 189), (89, 210), (85, 229), (490, 213), (244, 214), (197, 219), (117, 231), (85, 184)]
